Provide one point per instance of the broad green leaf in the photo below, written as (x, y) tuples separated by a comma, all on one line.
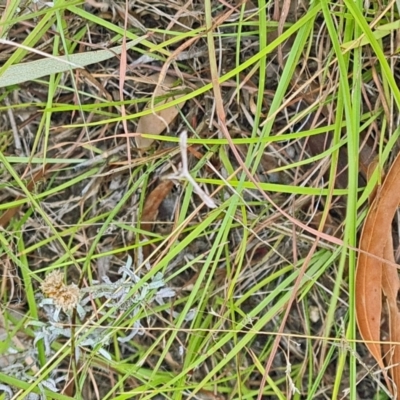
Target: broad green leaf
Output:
[(52, 65)]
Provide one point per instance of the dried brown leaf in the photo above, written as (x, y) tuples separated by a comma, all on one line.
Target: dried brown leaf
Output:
[(157, 122), (151, 206), (153, 202), (390, 287), (373, 277), (11, 212)]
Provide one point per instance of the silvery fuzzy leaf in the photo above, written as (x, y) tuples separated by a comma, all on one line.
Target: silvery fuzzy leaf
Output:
[(127, 273), (88, 342), (13, 369), (81, 311), (61, 378), (157, 281), (105, 353), (103, 292), (39, 324), (119, 301), (46, 302), (191, 315), (38, 336), (85, 301), (50, 384), (143, 294), (144, 59), (7, 390), (137, 329), (59, 330), (140, 257), (156, 284), (99, 293), (137, 325), (119, 294), (126, 270), (56, 314), (52, 311), (159, 276), (128, 264), (106, 280), (77, 353), (96, 338), (46, 341), (47, 346), (11, 350), (129, 337), (165, 293), (33, 396)]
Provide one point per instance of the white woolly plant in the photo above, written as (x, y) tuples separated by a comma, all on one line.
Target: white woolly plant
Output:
[(62, 299), (18, 371), (58, 301)]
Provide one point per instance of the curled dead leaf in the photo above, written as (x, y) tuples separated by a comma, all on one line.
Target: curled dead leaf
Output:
[(6, 217), (151, 207), (375, 277), (157, 122), (153, 202)]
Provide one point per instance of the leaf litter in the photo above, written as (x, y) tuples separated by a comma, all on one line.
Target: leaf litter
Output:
[(246, 269)]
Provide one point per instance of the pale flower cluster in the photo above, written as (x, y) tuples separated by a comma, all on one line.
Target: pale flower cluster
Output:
[(64, 296)]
